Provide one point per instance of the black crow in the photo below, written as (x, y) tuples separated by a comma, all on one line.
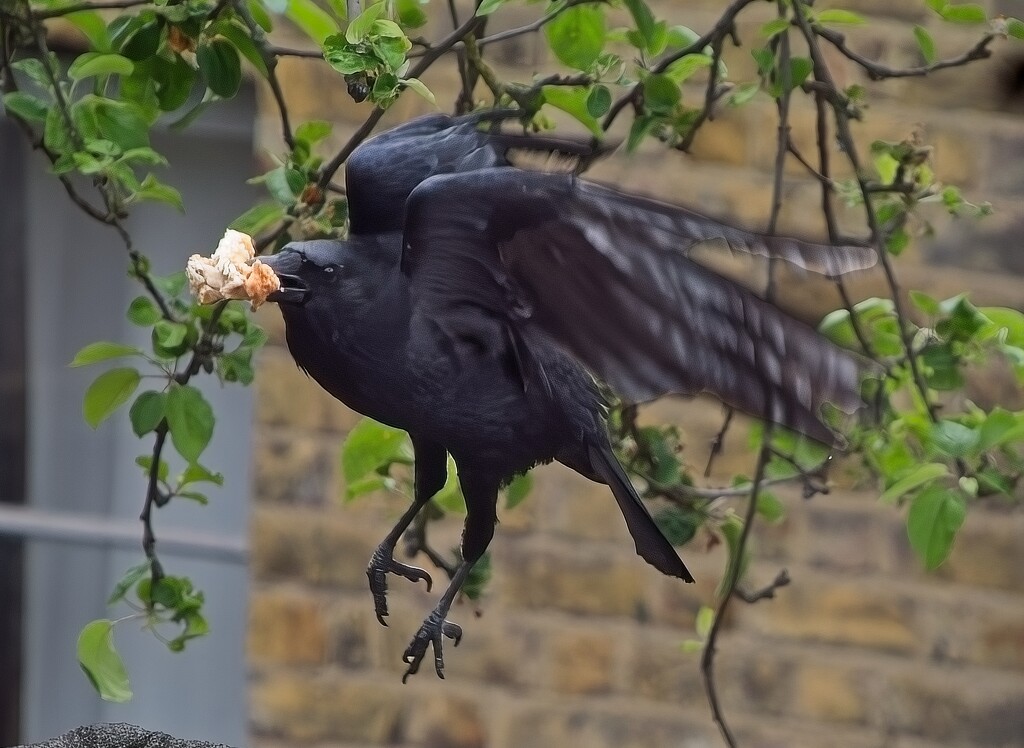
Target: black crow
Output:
[(474, 303)]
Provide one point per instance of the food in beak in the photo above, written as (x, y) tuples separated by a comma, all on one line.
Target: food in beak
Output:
[(231, 272)]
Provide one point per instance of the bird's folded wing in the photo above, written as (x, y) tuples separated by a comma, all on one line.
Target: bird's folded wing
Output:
[(606, 275)]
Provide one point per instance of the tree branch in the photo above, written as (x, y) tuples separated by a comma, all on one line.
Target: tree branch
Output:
[(877, 71), (707, 661)]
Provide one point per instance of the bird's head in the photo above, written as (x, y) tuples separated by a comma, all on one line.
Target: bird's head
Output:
[(306, 270)]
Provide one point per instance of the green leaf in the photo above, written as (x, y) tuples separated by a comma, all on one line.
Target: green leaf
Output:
[(921, 475), (774, 27), (101, 662), (489, 6), (839, 16), (924, 302), (1000, 427), (744, 93), (450, 498), (147, 411), (258, 218), (925, 43), (121, 122), (417, 85), (95, 63), (239, 37), (799, 69), (1015, 28), (170, 334), (366, 485), (360, 26), (954, 439), (732, 529), (478, 577), (660, 94), (55, 132), (196, 473), (966, 13), (650, 34), (369, 447), (599, 101), (128, 579), (91, 23), (347, 59), (151, 189), (107, 393), (219, 64), (572, 99), (196, 496), (313, 132), (769, 507), (142, 41), (260, 15), (683, 68), (312, 19), (937, 5), (190, 421), (103, 351), (936, 514), (676, 524), (411, 14), (964, 321), (704, 621), (1004, 323), (517, 490), (639, 130), (284, 184), (26, 106), (577, 36), (146, 463)]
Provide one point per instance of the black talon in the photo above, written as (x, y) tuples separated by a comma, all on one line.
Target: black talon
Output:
[(432, 634), (382, 564)]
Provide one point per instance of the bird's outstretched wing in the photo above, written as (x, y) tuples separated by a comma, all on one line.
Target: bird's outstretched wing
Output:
[(382, 172), (606, 275)]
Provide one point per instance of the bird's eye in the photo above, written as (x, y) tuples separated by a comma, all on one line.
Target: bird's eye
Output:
[(329, 269)]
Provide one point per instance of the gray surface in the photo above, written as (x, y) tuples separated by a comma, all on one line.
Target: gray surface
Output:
[(119, 735), (78, 293)]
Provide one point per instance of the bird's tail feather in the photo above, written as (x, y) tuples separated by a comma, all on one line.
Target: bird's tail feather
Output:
[(651, 545)]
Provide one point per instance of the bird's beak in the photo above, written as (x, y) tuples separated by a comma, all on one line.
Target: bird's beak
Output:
[(285, 265)]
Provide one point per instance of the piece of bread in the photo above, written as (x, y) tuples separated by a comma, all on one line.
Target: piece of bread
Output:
[(231, 272)]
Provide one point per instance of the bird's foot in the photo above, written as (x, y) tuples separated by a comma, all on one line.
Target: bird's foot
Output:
[(382, 564), (431, 633)]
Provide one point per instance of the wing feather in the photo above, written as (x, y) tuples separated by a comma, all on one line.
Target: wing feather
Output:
[(606, 275)]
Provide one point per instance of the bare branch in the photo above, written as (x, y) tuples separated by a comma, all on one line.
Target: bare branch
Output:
[(42, 15), (877, 71), (707, 661)]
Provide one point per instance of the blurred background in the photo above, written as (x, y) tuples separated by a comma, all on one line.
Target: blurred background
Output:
[(577, 640)]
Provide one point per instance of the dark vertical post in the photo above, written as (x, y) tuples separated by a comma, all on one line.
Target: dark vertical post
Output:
[(13, 433)]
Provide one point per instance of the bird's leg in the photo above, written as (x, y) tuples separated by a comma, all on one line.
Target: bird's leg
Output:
[(383, 563), (431, 471), (436, 627), (481, 494)]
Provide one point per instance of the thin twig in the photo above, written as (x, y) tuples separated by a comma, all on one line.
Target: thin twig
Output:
[(722, 28), (876, 71), (707, 660), (823, 77), (42, 15), (765, 593)]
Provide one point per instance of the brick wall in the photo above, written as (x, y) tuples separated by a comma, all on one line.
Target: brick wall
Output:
[(578, 641)]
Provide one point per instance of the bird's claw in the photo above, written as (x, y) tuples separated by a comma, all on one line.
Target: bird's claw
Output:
[(431, 633), (382, 564)]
